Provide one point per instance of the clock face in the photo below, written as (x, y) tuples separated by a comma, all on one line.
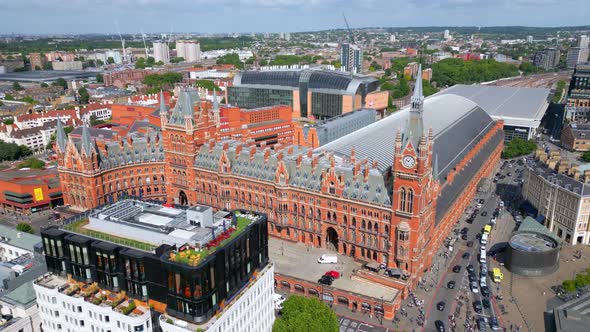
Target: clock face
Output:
[(408, 161)]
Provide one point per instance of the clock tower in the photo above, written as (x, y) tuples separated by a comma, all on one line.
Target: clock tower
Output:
[(414, 190)]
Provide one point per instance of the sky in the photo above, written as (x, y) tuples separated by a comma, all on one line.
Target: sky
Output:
[(221, 16)]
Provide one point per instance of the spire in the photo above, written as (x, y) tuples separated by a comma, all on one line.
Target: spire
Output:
[(60, 136), (86, 142), (416, 124), (163, 108), (215, 109), (435, 167)]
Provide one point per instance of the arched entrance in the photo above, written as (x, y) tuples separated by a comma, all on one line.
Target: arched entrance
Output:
[(332, 237), (182, 199)]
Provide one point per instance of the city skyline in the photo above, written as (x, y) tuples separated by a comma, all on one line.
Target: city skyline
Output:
[(133, 16)]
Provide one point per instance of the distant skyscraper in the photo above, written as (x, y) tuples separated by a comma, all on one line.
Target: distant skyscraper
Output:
[(287, 36), (190, 50), (116, 55), (584, 41), (547, 58), (392, 38), (447, 34), (351, 58), (529, 39), (161, 52), (576, 55)]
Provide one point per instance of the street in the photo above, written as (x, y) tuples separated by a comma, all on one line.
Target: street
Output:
[(458, 301)]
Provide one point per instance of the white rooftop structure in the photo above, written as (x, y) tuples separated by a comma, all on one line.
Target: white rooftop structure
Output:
[(519, 107)]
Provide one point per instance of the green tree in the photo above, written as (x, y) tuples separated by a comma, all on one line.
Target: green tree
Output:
[(99, 63), (569, 285), (44, 85), (428, 89), (453, 71), (60, 82), (263, 62), (306, 314), (24, 227), (17, 87), (100, 78), (161, 81), (177, 60), (29, 100), (47, 66), (518, 147), (8, 96), (558, 91), (586, 156), (11, 151), (33, 163), (150, 62), (230, 59), (207, 84), (110, 60), (140, 63), (528, 68), (37, 67), (8, 121), (84, 96)]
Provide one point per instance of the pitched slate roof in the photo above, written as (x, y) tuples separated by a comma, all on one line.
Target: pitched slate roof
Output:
[(184, 107)]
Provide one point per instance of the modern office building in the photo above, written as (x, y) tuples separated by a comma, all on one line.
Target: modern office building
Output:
[(351, 58), (584, 41), (311, 93), (190, 50), (137, 266), (547, 59), (564, 201), (576, 55), (446, 34), (161, 51), (578, 97), (576, 137)]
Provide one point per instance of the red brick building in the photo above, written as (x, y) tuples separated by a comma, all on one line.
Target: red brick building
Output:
[(30, 190), (121, 78)]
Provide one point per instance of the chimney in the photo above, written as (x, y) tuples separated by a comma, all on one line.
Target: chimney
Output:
[(299, 159), (290, 150), (314, 162), (309, 153), (225, 146), (238, 150), (266, 154)]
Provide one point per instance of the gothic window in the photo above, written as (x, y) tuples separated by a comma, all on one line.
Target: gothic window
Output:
[(353, 222), (363, 225), (329, 215), (319, 214), (402, 199), (403, 236), (386, 230), (376, 228), (345, 220), (369, 226), (332, 188), (334, 217), (410, 199)]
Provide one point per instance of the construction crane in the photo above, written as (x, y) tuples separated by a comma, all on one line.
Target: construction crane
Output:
[(349, 29), (144, 45), (122, 42)]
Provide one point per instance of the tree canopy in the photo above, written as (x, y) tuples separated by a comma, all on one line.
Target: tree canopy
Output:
[(100, 78), (518, 147), (157, 82), (586, 156), (558, 91), (207, 84), (32, 163), (24, 227), (304, 314), (16, 86), (84, 95), (230, 59), (60, 82), (457, 71), (12, 151)]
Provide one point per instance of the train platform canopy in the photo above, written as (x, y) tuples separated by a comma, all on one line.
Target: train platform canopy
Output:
[(518, 107)]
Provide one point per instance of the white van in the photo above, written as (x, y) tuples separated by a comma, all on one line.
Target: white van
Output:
[(328, 259), (278, 299), (484, 239), (482, 255)]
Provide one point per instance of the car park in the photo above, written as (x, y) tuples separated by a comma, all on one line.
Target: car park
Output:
[(440, 306), (457, 268), (440, 326), (451, 284)]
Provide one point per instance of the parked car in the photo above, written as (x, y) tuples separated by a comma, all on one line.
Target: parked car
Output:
[(482, 324), (457, 268), (486, 303), (328, 259), (440, 326), (464, 237), (483, 282), (472, 276), (494, 324), (469, 244), (326, 280), (333, 274), (485, 213), (464, 230), (440, 306), (485, 291), (474, 288), (470, 268), (451, 284), (465, 255), (477, 306)]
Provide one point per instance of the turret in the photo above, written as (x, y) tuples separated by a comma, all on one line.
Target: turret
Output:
[(60, 137), (415, 129)]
